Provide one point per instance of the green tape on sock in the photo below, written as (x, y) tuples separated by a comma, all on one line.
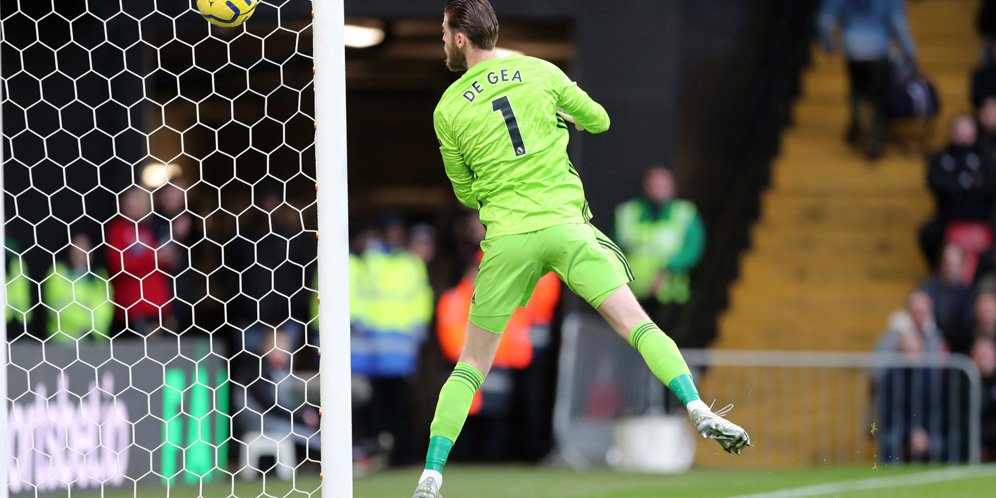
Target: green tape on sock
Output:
[(439, 451), (683, 387)]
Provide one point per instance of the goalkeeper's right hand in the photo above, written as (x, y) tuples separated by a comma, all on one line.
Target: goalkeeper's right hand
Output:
[(570, 119)]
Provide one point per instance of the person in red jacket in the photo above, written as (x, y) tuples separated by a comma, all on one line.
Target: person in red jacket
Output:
[(142, 292)]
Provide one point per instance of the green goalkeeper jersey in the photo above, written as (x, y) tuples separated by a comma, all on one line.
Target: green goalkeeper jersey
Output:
[(505, 147)]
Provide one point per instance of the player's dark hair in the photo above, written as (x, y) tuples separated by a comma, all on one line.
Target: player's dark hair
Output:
[(476, 19)]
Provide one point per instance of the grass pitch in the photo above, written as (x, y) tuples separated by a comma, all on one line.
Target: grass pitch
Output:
[(532, 482), (540, 482)]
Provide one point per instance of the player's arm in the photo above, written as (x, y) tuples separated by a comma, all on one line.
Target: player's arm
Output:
[(579, 108), (456, 169)]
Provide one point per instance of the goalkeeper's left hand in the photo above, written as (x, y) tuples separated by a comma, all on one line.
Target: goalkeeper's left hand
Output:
[(570, 119)]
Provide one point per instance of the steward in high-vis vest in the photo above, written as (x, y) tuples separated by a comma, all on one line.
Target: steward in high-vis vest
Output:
[(18, 291), (398, 312), (76, 298), (663, 239), (396, 317)]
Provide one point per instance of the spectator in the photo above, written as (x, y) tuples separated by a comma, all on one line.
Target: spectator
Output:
[(911, 425), (271, 257), (985, 315), (360, 299), (985, 117), (468, 234), (986, 23), (19, 304), (273, 397), (963, 183), (952, 300), (917, 317), (366, 447), (984, 77), (141, 291), (867, 29), (984, 356), (174, 226), (422, 243), (663, 239), (76, 296), (398, 315), (900, 392)]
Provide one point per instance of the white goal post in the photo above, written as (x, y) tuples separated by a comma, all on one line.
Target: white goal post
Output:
[(333, 247), (4, 449)]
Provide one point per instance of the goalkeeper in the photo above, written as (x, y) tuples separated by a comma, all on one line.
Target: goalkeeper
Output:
[(502, 130)]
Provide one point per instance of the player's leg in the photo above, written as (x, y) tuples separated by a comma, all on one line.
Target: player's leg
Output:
[(625, 315), (621, 310), (507, 276), (596, 270), (454, 403)]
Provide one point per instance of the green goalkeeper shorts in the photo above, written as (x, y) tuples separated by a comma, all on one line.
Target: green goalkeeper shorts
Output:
[(584, 258)]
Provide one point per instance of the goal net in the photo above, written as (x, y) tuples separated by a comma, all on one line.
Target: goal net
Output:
[(161, 225)]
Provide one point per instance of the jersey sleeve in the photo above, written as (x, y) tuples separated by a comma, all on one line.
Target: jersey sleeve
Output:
[(456, 169), (576, 102)]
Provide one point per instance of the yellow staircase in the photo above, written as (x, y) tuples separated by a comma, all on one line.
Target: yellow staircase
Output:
[(835, 249)]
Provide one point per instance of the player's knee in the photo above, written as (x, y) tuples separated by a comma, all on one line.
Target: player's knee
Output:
[(477, 362)]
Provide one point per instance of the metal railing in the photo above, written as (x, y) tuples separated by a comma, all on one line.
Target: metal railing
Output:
[(801, 408)]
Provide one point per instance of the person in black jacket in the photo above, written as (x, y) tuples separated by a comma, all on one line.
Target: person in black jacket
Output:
[(272, 397), (963, 182), (984, 79), (984, 356)]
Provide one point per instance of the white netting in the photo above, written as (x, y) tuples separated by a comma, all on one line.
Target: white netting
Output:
[(174, 351)]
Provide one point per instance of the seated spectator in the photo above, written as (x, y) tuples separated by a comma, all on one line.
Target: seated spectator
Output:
[(273, 398), (917, 317), (952, 299), (142, 292), (985, 22), (985, 119), (984, 356), (985, 315), (909, 428), (962, 181), (76, 296)]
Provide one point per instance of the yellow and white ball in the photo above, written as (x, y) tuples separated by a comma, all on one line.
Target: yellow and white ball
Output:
[(227, 13)]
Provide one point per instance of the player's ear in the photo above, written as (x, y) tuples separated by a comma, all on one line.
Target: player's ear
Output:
[(461, 40)]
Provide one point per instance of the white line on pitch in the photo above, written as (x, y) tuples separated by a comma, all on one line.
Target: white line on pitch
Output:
[(878, 483)]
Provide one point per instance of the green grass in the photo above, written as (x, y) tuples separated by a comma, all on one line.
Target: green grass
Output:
[(539, 482), (529, 482)]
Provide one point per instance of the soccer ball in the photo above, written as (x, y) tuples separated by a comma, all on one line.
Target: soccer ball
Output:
[(227, 13)]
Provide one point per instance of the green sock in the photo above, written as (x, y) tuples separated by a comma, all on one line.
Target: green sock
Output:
[(665, 361), (451, 412)]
